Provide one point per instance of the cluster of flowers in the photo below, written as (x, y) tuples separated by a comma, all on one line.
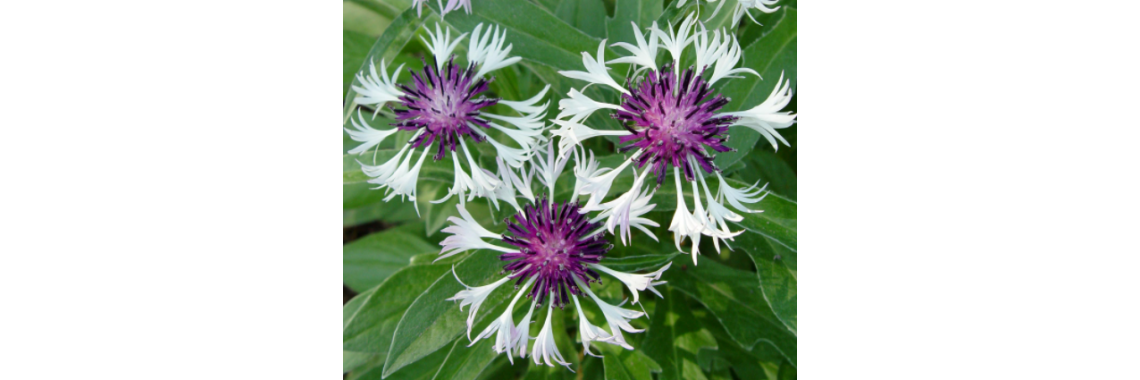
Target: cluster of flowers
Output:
[(552, 250)]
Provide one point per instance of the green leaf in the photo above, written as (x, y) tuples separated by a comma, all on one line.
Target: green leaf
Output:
[(769, 55), (353, 360), (369, 325), (776, 269), (424, 369), (638, 263), (787, 371), (589, 16), (370, 260), (466, 363), (766, 167), (431, 321), (675, 337), (621, 364), (733, 297), (762, 362), (641, 12)]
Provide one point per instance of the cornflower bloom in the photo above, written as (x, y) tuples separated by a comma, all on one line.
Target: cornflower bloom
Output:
[(443, 107), (553, 253), (673, 119)]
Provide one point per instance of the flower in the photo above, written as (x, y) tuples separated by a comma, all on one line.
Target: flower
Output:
[(673, 119), (444, 109), (556, 251)]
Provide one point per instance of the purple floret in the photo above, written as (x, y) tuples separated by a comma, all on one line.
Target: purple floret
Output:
[(672, 127), (552, 246), (442, 105)]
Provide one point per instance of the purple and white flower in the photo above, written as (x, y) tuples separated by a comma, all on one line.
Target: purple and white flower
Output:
[(673, 118), (555, 252), (446, 112)]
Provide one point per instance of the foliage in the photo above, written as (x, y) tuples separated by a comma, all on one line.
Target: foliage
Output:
[(732, 316)]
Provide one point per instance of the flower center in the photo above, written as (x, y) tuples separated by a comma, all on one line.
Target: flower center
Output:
[(442, 105), (554, 248), (674, 122)]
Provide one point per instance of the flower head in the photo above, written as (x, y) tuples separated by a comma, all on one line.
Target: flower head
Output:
[(673, 119), (555, 251), (446, 108)]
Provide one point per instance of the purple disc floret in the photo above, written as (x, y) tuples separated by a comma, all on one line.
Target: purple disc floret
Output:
[(554, 247), (674, 121), (443, 105)]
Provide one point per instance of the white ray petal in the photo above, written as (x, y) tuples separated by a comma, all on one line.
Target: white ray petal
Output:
[(488, 51), (636, 282), (455, 4), (766, 117), (545, 351), (467, 234), (441, 44), (503, 327), (523, 330), (685, 224), (743, 5), (528, 106), (616, 316), (588, 332), (675, 42), (737, 197), (595, 70), (526, 122), (726, 62), (375, 89), (366, 135), (644, 55), (474, 297), (579, 106), (625, 210), (572, 134)]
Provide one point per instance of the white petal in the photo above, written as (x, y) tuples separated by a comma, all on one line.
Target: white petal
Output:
[(528, 106), (466, 234), (766, 117), (441, 45), (503, 327), (523, 330), (617, 317), (625, 210), (726, 62), (475, 297), (572, 134), (595, 70), (635, 282), (685, 224), (455, 4), (544, 347), (377, 88), (365, 134), (675, 43), (643, 55), (737, 197), (488, 51), (579, 106), (588, 332)]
